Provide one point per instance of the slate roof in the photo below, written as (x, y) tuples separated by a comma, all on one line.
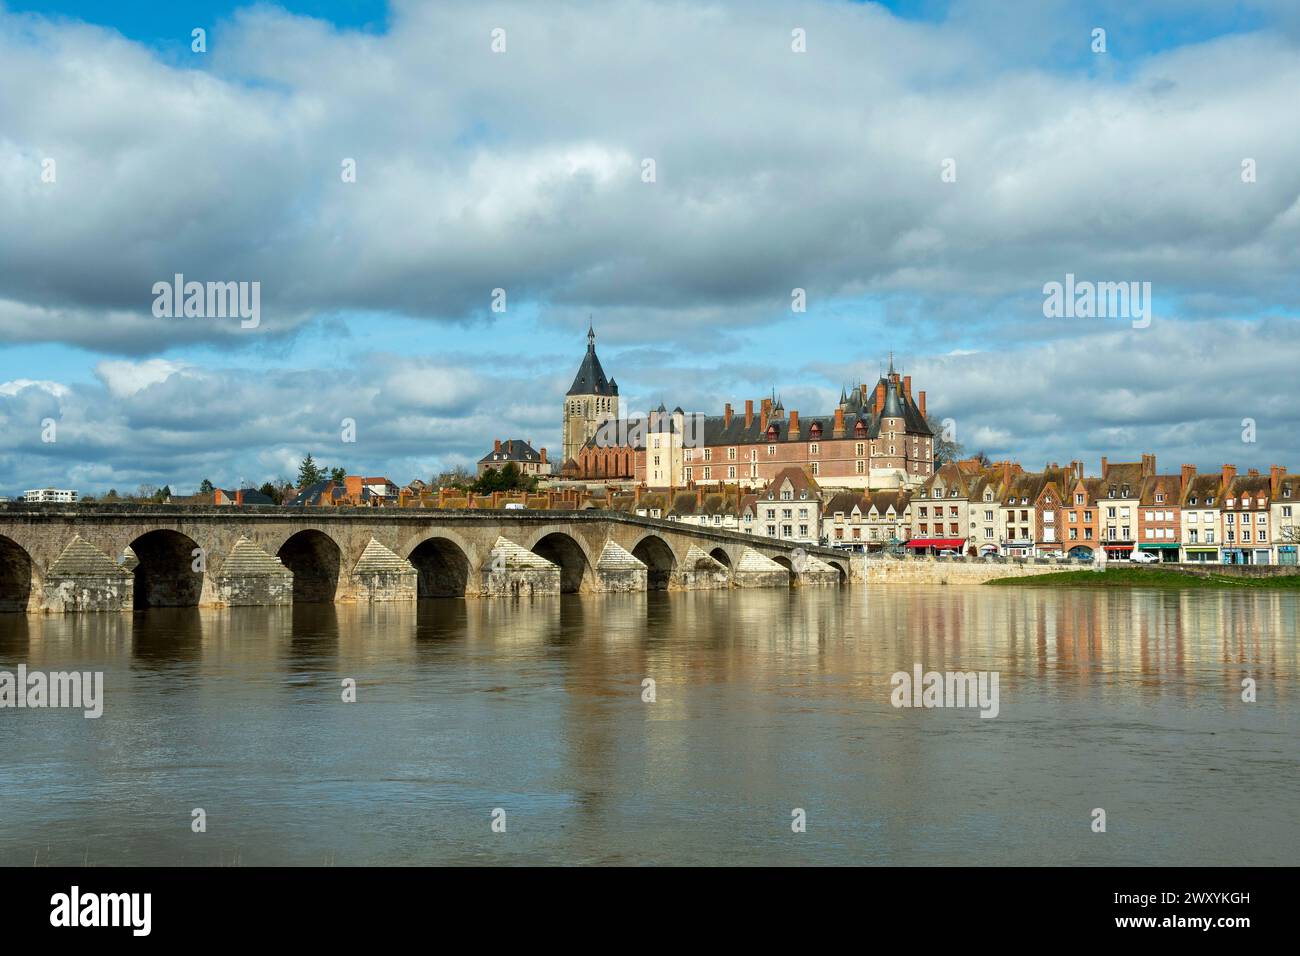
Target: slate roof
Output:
[(322, 491), (251, 497), (716, 431), (515, 449), (590, 379)]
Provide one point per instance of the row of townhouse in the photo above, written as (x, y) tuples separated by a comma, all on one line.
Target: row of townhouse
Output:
[(979, 509), (1220, 517)]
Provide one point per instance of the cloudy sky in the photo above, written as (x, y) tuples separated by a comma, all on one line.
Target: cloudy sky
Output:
[(921, 169)]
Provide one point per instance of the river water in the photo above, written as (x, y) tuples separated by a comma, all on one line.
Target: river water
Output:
[(766, 702)]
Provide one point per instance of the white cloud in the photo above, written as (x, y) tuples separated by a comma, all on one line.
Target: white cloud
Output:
[(124, 378)]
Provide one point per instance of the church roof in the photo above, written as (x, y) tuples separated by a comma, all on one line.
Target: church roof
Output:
[(590, 379)]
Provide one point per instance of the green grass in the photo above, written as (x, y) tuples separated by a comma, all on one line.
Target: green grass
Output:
[(1147, 578)]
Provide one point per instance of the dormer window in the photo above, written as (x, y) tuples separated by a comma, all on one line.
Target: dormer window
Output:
[(953, 493), (1193, 500)]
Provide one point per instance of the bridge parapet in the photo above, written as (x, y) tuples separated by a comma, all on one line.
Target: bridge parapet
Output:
[(150, 554)]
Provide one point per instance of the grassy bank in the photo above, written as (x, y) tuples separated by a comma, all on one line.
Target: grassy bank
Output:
[(1147, 578)]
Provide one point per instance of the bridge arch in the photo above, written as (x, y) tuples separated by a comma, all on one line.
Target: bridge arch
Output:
[(844, 572), (442, 568), (564, 550), (316, 561), (15, 576), (720, 555), (655, 553), (786, 563), (168, 572)]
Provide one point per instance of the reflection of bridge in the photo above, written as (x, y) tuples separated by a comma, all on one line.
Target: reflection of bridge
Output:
[(113, 557)]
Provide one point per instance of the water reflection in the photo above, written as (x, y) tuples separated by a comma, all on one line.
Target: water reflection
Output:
[(762, 701)]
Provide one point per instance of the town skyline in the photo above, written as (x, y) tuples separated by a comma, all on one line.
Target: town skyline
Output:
[(928, 217)]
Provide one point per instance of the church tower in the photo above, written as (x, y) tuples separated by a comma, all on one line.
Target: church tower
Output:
[(590, 400)]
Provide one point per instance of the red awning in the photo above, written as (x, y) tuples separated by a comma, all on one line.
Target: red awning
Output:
[(953, 543), (1126, 548)]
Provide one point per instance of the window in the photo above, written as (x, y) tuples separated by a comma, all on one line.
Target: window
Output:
[(861, 467), (731, 471), (708, 454), (771, 450), (816, 470), (814, 449), (708, 473)]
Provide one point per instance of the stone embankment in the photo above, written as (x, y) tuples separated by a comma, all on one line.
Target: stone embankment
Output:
[(938, 571)]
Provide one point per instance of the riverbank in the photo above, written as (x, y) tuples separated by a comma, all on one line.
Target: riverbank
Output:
[(1138, 577)]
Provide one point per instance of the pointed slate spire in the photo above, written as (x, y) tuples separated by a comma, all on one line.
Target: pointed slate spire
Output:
[(590, 379)]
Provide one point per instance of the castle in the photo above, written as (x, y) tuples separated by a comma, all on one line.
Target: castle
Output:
[(875, 437)]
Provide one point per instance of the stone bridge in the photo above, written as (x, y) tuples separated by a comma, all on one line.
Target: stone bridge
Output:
[(100, 557)]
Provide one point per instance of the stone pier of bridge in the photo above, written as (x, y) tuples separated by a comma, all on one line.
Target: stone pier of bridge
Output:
[(64, 558)]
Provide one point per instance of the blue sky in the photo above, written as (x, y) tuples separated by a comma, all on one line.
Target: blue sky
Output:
[(818, 171)]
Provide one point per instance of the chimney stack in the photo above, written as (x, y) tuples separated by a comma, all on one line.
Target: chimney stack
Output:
[(907, 386), (766, 407), (880, 398), (749, 412), (1148, 466), (922, 403), (726, 415), (838, 430), (1186, 474), (1229, 473), (1077, 467), (1275, 474), (794, 424), (1104, 467), (496, 447), (543, 454)]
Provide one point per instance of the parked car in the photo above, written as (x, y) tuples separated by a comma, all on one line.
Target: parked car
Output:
[(1144, 557), (949, 553)]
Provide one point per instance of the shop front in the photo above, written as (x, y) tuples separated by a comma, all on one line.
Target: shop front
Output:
[(1235, 556), (1286, 554), (1118, 550), (935, 545), (1167, 553), (1081, 552), (1202, 555), (1018, 547)]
